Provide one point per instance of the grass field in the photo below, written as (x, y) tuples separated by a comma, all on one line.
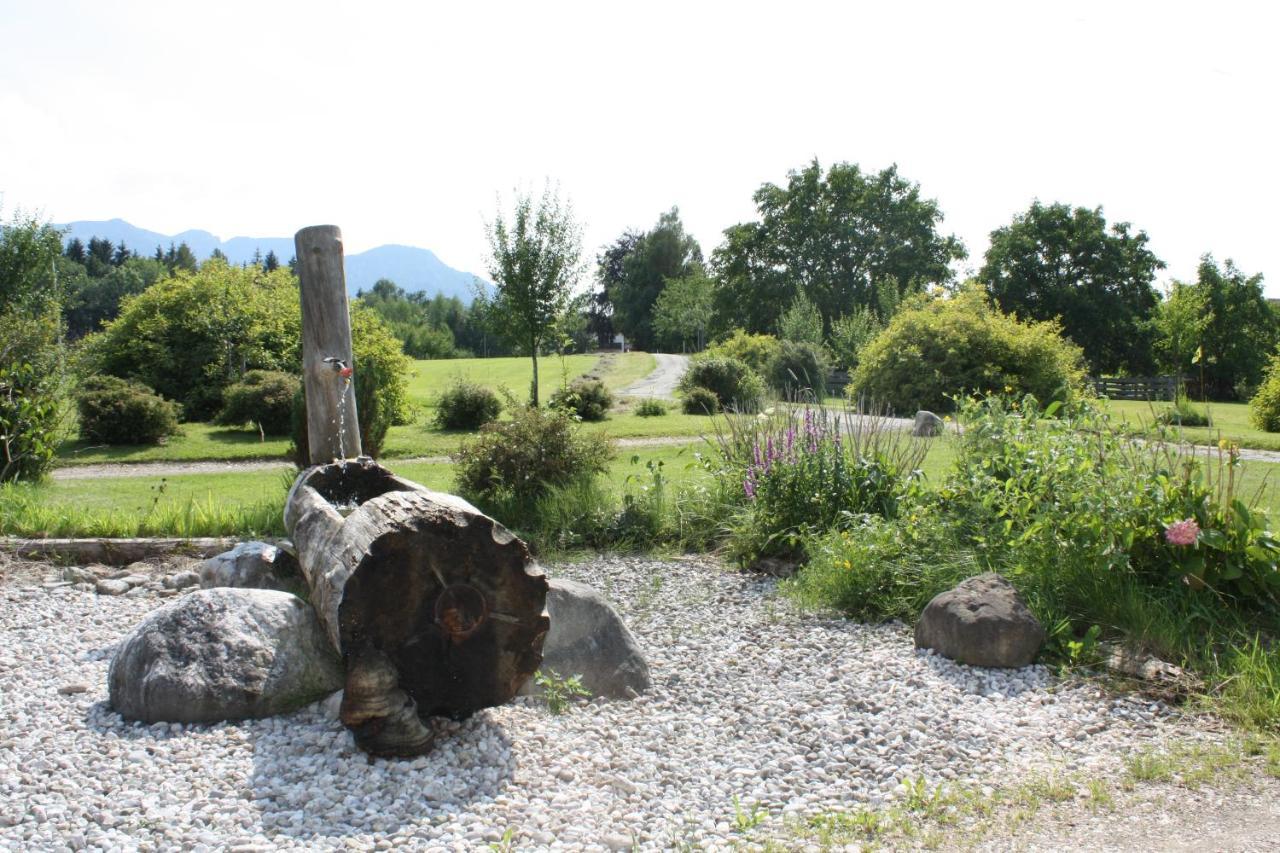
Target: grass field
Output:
[(1230, 421), (202, 442)]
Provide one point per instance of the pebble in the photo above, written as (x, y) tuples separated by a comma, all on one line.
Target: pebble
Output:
[(112, 586), (755, 706)]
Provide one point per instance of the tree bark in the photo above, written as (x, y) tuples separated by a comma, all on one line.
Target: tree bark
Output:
[(435, 607)]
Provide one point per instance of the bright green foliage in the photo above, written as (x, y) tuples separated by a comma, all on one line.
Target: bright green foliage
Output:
[(559, 692), (801, 323), (535, 261), (31, 352), (1180, 321), (519, 460), (190, 335), (935, 350), (1264, 408), (735, 384), (800, 368), (756, 351), (1054, 262), (466, 405), (116, 411), (585, 399), (651, 408), (699, 401), (1240, 335), (831, 237), (94, 301), (804, 473), (1184, 413), (683, 311), (263, 398), (851, 333), (635, 270)]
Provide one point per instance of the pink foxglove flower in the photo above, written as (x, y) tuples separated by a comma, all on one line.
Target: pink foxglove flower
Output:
[(1182, 532)]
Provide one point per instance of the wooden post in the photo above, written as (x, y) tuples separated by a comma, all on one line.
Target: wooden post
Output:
[(333, 430)]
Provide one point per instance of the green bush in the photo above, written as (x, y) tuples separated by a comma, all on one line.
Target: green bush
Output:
[(1264, 408), (30, 394), (380, 370), (1184, 413), (521, 459), (935, 350), (586, 399), (799, 368), (651, 407), (263, 398), (191, 335), (466, 405), (115, 411), (753, 350), (699, 401), (734, 384)]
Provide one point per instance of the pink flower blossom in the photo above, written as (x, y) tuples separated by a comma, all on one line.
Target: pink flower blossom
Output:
[(345, 372), (1182, 532)]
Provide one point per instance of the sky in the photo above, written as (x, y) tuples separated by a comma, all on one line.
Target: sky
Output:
[(410, 123)]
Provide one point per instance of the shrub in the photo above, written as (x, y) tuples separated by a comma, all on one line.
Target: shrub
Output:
[(799, 476), (190, 335), (651, 407), (1184, 413), (262, 397), (30, 394), (799, 367), (753, 350), (936, 350), (587, 399), (382, 389), (732, 382), (1264, 408), (115, 411), (699, 401), (466, 405), (521, 459)]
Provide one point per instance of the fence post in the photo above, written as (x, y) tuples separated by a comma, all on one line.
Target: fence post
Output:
[(333, 430)]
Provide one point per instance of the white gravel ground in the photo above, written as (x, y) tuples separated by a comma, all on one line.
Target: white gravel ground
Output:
[(787, 713)]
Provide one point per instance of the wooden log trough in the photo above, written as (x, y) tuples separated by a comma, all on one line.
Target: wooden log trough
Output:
[(436, 609)]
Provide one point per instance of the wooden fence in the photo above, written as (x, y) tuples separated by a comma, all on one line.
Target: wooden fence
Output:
[(1135, 387)]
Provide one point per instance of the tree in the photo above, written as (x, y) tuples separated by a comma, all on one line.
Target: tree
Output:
[(534, 261), (832, 237), (1241, 332), (801, 322), (1180, 321), (684, 310), (219, 255), (664, 252), (121, 255), (270, 263), (76, 252), (31, 355), (1056, 262)]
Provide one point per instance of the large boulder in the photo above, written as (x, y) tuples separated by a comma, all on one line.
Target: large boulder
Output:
[(927, 425), (588, 639), (223, 654), (983, 621), (250, 565)]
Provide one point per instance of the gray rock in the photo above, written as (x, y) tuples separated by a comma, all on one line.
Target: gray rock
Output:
[(588, 639), (223, 654), (983, 621), (182, 580), (136, 580), (111, 586), (249, 565), (72, 689), (927, 425), (775, 567), (75, 574)]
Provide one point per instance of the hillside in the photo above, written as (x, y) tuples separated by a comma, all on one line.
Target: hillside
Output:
[(410, 267)]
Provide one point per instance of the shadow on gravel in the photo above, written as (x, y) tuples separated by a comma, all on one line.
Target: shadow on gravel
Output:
[(310, 782)]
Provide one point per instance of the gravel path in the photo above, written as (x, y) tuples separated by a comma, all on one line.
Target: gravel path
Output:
[(662, 381), (790, 714)]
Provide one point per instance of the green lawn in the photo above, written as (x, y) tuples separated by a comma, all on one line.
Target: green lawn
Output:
[(206, 442), (1230, 421)]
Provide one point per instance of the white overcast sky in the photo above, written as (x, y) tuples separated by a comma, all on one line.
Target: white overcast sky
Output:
[(402, 122)]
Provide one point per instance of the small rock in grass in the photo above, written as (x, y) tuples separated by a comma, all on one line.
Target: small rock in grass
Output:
[(927, 425)]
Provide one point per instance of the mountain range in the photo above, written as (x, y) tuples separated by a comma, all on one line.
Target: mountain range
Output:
[(410, 267)]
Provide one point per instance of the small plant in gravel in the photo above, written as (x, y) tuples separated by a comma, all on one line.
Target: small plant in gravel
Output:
[(557, 692)]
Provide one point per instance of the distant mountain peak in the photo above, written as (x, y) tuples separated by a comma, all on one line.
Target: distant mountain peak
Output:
[(413, 268)]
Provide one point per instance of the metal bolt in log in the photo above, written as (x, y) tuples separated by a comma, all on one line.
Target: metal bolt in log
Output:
[(437, 609)]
